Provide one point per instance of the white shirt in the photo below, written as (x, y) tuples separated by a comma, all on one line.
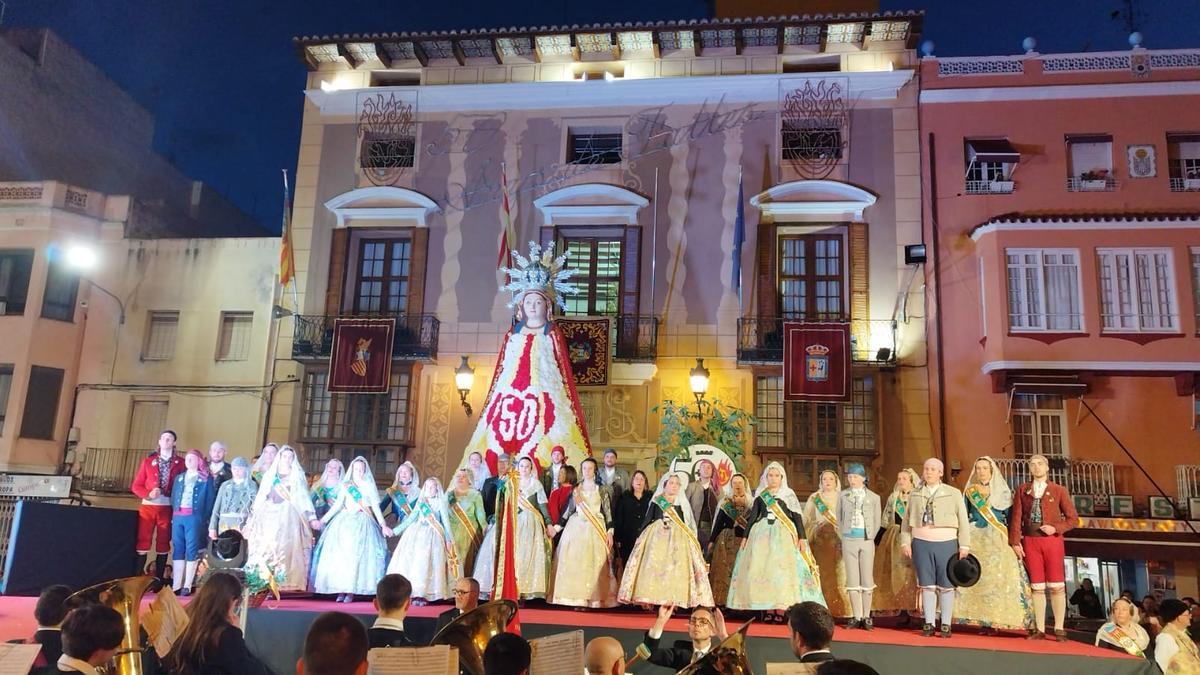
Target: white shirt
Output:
[(1165, 648), (215, 467), (71, 663), (388, 623), (554, 475), (857, 496), (1039, 488)]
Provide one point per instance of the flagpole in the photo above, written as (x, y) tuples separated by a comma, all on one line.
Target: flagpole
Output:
[(738, 244), (288, 220), (654, 244)]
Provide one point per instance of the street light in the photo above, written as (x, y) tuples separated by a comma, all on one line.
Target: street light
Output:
[(464, 376), (699, 381), (82, 259)]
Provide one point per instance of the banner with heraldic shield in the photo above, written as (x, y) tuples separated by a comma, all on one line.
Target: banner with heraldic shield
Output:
[(360, 361), (816, 361)]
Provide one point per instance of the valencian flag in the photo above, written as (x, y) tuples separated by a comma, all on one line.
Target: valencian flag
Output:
[(287, 260), (360, 361), (505, 585), (506, 235), (816, 361)]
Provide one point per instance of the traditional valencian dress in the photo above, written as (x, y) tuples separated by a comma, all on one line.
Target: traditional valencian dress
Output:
[(328, 488), (584, 564), (729, 529), (402, 498), (1130, 638), (820, 519), (895, 578), (278, 534), (666, 566), (1001, 599), (426, 555), (467, 524), (532, 545), (350, 554), (773, 571)]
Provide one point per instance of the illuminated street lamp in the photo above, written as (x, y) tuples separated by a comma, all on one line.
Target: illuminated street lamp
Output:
[(464, 376), (82, 258), (699, 381)]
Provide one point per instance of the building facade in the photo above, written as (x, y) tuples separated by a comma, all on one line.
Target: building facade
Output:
[(627, 146), (1064, 216)]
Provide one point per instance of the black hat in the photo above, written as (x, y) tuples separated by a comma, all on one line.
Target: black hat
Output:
[(964, 572)]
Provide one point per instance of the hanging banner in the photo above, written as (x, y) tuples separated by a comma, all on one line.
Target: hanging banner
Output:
[(816, 361), (360, 361), (588, 346)]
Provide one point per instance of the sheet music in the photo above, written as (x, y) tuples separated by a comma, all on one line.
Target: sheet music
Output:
[(16, 659), (164, 621), (557, 654), (437, 660), (794, 668)]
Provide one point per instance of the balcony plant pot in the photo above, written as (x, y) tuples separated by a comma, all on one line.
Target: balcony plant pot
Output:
[(1003, 186), (1191, 183)]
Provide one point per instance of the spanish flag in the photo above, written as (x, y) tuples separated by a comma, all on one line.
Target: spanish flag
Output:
[(287, 261)]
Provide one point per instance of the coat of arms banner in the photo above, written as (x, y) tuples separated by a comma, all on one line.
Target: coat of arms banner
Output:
[(588, 343), (816, 361), (360, 361)]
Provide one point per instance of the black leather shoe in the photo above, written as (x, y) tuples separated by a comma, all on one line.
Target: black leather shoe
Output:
[(852, 624), (944, 633), (867, 624), (927, 631)]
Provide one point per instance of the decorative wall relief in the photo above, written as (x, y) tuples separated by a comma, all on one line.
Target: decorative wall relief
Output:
[(814, 124), (1141, 161), (437, 432)]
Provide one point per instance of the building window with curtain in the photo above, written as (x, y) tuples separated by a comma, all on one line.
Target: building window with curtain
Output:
[(598, 260), (1137, 290), (376, 426), (1038, 425), (1043, 290), (1183, 162), (1090, 163), (812, 277), (381, 286), (822, 428)]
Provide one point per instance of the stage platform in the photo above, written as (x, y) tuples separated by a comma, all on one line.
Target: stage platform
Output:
[(276, 633)]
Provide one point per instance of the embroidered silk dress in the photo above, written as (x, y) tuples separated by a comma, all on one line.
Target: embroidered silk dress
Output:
[(532, 544), (821, 523), (1001, 598), (895, 578), (729, 529), (666, 565), (426, 555), (351, 552), (771, 572), (277, 533), (584, 563), (467, 525)]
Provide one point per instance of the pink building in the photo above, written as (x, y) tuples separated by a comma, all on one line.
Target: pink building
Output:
[(1063, 214)]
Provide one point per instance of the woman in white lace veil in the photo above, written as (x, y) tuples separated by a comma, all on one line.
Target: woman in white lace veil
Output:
[(479, 470), (266, 457), (404, 491), (772, 571), (666, 565), (1001, 599), (350, 556), (426, 554), (278, 532)]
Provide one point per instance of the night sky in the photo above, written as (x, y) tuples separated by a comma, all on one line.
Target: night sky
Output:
[(225, 84)]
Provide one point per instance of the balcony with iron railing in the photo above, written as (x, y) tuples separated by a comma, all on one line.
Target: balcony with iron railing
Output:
[(110, 470), (1184, 177), (989, 187), (1080, 477), (635, 338), (1091, 184), (760, 341), (416, 336)]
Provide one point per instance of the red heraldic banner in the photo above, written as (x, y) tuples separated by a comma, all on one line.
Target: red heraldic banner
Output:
[(360, 361), (816, 361)]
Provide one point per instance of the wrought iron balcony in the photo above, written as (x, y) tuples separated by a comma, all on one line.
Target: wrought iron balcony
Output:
[(1187, 478), (110, 470), (1080, 477), (760, 340), (416, 337), (636, 338)]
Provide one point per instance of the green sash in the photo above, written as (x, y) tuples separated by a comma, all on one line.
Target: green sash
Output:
[(824, 510), (1126, 641), (981, 505)]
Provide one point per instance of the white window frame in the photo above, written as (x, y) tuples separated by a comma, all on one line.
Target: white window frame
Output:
[(1041, 314), (1038, 416), (1122, 265)]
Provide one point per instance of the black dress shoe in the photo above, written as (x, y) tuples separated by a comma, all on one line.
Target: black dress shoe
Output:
[(867, 624), (945, 632), (852, 623), (927, 630)]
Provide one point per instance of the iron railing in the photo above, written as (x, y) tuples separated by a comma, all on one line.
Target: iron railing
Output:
[(760, 340), (1187, 478), (416, 336), (110, 470), (636, 337), (1185, 185), (989, 187), (1097, 185), (1095, 479)]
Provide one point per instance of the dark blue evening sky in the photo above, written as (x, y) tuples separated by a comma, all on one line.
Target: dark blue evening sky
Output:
[(225, 83)]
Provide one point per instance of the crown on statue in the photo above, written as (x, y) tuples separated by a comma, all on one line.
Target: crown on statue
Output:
[(541, 272)]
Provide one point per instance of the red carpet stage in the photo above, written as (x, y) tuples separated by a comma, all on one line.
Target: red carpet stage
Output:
[(276, 633)]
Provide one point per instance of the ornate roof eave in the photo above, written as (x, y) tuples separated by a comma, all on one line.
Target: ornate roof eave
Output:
[(338, 51)]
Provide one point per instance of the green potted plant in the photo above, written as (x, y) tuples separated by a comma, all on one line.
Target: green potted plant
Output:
[(710, 423)]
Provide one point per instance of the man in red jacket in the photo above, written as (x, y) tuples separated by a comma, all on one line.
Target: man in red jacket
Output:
[(152, 483), (1042, 513)]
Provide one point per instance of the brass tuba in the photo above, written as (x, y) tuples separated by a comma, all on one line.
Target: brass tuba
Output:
[(470, 632), (125, 596), (727, 658)]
